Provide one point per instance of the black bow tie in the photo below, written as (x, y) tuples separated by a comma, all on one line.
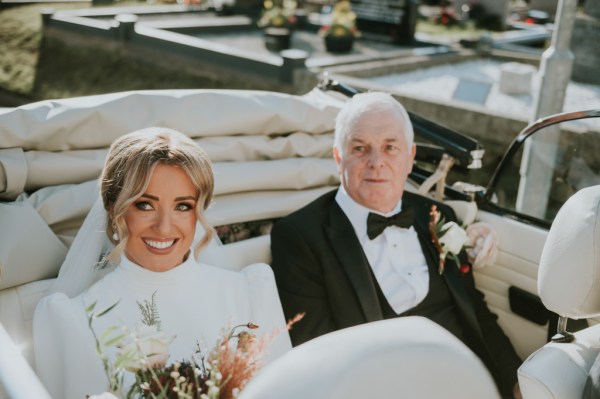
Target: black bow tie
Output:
[(377, 223)]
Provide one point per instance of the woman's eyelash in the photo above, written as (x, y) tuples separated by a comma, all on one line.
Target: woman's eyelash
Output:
[(185, 205), (143, 205)]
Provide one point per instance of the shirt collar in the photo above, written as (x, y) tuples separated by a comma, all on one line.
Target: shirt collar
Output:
[(131, 266), (357, 214)]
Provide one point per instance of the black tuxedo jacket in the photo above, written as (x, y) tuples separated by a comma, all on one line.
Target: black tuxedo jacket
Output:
[(322, 271)]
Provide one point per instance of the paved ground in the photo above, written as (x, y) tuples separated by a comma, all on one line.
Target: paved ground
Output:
[(441, 82)]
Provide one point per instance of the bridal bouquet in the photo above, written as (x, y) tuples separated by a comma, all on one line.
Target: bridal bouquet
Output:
[(219, 373)]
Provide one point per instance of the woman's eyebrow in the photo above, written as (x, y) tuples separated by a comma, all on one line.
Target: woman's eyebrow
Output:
[(189, 197), (184, 198)]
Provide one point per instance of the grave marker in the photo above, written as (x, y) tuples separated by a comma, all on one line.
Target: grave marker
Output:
[(392, 19), (472, 91)]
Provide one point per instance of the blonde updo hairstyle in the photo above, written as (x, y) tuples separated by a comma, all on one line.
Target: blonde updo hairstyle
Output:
[(129, 166)]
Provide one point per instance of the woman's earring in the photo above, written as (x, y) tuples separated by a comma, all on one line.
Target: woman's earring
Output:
[(115, 236)]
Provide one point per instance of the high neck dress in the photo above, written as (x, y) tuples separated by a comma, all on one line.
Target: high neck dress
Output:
[(196, 303)]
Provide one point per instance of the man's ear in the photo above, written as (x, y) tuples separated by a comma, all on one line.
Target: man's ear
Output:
[(413, 152), (336, 156)]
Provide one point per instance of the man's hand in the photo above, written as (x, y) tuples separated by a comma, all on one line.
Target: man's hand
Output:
[(517, 391)]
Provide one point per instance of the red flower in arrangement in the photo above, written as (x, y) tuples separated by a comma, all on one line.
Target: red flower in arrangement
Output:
[(464, 268), (447, 17)]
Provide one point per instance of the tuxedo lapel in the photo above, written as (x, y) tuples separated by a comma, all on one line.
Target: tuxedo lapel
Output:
[(351, 257), (450, 275)]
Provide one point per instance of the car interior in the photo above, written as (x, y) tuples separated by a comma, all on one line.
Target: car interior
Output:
[(272, 155)]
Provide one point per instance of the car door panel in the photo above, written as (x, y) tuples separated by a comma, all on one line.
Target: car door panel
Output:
[(519, 249)]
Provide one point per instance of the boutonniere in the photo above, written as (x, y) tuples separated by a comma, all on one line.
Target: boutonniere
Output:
[(478, 239), (448, 238)]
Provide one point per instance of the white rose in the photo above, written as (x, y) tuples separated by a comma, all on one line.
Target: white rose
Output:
[(150, 348), (454, 239)]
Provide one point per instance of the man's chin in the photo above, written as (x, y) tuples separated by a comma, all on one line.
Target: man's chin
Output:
[(382, 206)]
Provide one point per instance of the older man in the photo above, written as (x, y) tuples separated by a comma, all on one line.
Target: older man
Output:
[(364, 252)]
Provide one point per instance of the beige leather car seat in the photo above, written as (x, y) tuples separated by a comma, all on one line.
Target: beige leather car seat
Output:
[(568, 284), (407, 357)]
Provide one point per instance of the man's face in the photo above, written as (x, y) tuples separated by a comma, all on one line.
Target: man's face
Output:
[(376, 161)]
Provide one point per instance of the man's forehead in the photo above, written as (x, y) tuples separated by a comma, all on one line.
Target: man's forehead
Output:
[(368, 137), (361, 136)]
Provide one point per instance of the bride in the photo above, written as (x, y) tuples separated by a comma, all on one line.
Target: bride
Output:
[(155, 186)]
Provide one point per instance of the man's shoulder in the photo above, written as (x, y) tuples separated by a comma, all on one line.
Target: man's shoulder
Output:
[(314, 209)]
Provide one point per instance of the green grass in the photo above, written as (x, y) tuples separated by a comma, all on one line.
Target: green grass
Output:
[(65, 71), (36, 68), (20, 38)]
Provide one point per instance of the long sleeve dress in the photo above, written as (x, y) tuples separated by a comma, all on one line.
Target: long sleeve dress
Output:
[(195, 302)]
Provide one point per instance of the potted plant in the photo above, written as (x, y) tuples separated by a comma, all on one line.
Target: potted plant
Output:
[(277, 20), (340, 33)]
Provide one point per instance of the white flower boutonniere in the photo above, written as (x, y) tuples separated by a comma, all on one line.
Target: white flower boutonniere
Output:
[(448, 238), (479, 240)]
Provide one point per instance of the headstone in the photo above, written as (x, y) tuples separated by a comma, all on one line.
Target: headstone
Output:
[(489, 12), (393, 19), (472, 91), (515, 78), (251, 8)]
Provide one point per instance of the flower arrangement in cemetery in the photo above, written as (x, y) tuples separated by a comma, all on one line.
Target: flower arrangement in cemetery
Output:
[(343, 21), (278, 14)]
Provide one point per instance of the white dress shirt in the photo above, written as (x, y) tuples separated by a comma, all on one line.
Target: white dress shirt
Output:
[(395, 256)]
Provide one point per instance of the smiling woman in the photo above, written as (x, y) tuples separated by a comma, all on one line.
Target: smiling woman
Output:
[(161, 223), (156, 185), (152, 178)]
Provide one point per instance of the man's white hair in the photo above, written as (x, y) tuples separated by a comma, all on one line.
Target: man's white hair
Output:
[(364, 103)]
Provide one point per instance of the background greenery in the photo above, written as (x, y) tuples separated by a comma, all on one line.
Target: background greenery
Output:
[(32, 68)]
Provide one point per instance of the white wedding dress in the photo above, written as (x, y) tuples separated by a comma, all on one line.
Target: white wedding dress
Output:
[(196, 303)]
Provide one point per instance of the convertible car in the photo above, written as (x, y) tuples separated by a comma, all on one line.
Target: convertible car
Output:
[(272, 155)]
